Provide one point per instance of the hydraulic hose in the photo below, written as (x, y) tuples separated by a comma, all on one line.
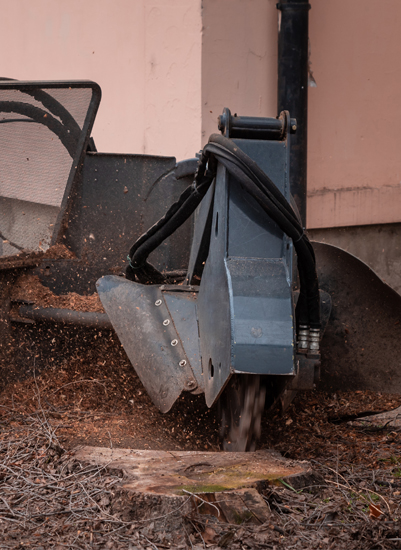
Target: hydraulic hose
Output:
[(255, 182), (177, 214)]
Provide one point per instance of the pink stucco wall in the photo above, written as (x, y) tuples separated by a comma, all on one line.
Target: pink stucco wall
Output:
[(239, 59), (145, 54), (355, 113), (354, 168), (168, 67)]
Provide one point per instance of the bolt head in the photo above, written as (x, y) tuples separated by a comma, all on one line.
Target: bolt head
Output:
[(174, 342), (182, 363), (166, 322), (158, 303)]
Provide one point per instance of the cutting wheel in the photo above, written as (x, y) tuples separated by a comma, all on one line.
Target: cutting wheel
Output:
[(240, 409)]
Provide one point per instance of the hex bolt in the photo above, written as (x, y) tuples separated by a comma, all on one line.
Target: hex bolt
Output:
[(158, 303), (190, 383), (182, 363), (174, 342), (166, 322)]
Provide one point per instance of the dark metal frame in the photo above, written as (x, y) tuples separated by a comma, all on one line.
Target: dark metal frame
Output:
[(36, 90)]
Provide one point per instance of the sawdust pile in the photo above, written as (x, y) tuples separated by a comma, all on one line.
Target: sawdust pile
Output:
[(28, 287), (59, 251)]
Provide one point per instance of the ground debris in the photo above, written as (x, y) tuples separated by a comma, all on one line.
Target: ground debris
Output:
[(29, 288), (49, 499)]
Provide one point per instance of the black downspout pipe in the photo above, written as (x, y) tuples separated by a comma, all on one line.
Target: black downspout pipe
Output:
[(293, 48)]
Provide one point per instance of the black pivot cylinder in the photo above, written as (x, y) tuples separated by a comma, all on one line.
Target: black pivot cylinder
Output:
[(293, 88)]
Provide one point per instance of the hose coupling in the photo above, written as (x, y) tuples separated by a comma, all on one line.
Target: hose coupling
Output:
[(303, 337), (314, 340)]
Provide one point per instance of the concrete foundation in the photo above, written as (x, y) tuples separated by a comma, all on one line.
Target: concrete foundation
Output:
[(379, 246)]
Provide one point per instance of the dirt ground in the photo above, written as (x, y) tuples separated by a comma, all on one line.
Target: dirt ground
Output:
[(95, 398)]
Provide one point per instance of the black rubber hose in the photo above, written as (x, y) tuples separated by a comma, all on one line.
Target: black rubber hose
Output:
[(158, 226), (177, 214), (252, 168), (160, 231)]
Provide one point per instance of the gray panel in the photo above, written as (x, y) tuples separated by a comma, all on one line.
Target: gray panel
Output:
[(252, 230), (25, 225), (272, 360), (263, 317), (182, 308), (272, 158), (137, 313), (214, 302)]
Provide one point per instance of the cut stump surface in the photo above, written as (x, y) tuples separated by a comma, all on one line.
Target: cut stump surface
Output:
[(165, 472), (220, 484)]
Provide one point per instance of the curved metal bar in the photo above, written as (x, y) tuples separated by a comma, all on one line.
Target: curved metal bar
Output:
[(42, 117), (57, 109)]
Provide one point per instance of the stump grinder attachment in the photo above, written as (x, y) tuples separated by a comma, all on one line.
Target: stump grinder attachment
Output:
[(233, 319), (221, 294)]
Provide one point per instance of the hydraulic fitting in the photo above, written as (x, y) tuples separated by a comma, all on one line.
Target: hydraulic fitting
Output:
[(303, 338), (314, 340)]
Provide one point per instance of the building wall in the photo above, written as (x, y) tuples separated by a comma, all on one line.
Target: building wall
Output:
[(239, 60), (145, 54), (168, 67), (354, 113), (354, 168)]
